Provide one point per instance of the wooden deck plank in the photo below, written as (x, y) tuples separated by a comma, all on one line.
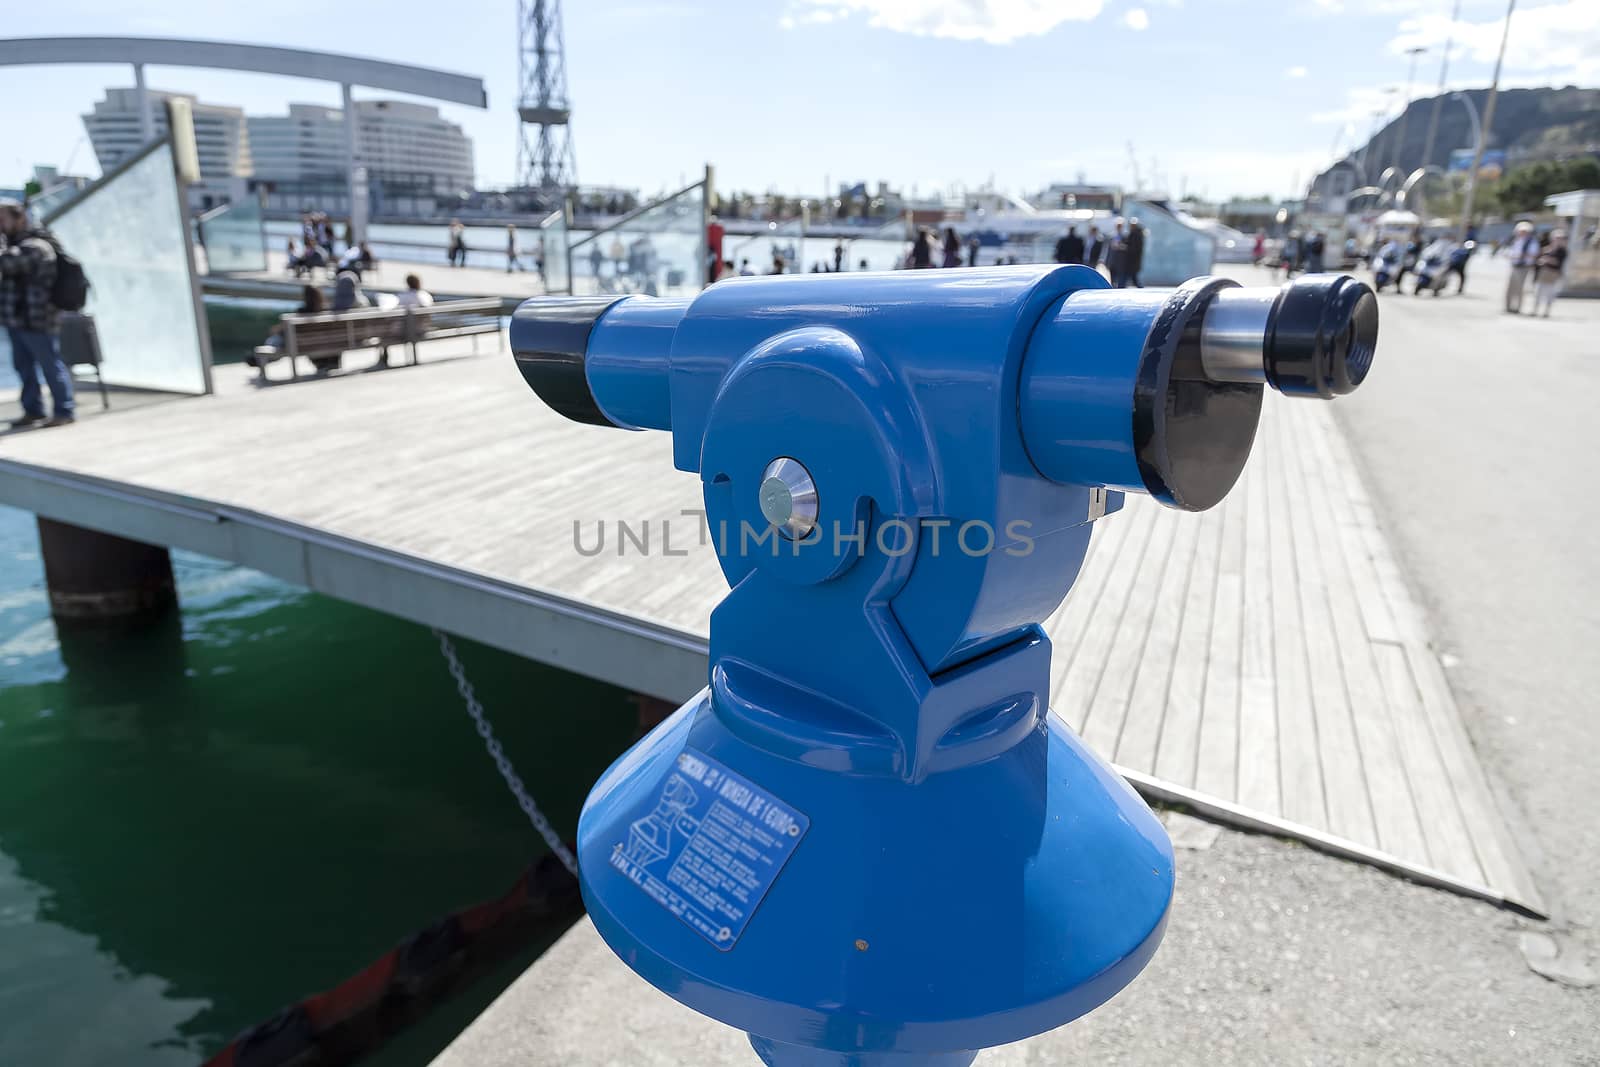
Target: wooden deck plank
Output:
[(1343, 775), (1299, 757), (1447, 844), (1083, 673), (1179, 744), (1109, 708), (1147, 706), (1385, 773), (1217, 761), (1258, 756), (1069, 623)]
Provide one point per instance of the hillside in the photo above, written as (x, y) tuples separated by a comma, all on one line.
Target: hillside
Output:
[(1528, 124)]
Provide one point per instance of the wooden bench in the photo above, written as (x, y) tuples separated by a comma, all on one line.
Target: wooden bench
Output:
[(329, 334)]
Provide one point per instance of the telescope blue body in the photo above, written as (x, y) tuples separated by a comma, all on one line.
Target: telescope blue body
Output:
[(867, 842)]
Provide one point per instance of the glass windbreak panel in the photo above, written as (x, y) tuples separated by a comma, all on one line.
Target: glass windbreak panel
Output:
[(1173, 252), (658, 251), (233, 237), (779, 249), (134, 245), (553, 248), (52, 200)]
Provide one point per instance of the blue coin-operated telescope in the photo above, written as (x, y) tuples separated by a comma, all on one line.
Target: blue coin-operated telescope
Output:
[(867, 843)]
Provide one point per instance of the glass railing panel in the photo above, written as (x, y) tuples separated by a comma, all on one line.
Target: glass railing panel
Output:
[(1173, 251), (658, 250), (234, 237), (130, 232), (47, 203), (553, 238)]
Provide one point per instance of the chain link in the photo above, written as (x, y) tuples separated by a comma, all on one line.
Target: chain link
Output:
[(501, 760)]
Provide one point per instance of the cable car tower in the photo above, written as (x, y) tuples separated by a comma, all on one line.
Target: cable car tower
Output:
[(544, 155)]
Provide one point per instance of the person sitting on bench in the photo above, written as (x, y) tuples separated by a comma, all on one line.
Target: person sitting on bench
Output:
[(311, 302)]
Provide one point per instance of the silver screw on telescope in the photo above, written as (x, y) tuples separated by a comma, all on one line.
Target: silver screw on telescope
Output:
[(789, 497)]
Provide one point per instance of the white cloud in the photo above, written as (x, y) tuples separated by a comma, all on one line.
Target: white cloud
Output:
[(1559, 39), (1137, 19), (1296, 72), (991, 21)]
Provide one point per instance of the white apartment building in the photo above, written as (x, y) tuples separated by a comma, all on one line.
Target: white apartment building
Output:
[(399, 143), (219, 132)]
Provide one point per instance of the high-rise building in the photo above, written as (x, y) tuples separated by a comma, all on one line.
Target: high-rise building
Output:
[(219, 132), (401, 144)]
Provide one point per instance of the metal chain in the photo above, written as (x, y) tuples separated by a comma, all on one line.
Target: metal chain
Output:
[(501, 760)]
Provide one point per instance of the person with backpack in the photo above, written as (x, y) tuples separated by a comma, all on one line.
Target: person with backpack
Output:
[(37, 282)]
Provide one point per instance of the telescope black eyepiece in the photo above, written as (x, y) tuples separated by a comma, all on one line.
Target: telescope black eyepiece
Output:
[(550, 340), (1321, 336)]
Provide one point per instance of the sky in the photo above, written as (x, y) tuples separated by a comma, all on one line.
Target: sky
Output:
[(1205, 97)]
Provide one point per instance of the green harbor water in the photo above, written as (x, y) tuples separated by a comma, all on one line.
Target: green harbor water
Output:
[(208, 820)]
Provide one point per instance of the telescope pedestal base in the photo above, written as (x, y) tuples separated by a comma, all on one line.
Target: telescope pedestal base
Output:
[(777, 1054)]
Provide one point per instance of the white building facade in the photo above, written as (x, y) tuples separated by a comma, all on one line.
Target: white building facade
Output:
[(221, 138), (414, 158)]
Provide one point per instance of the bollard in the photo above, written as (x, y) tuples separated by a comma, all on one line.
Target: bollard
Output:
[(866, 843)]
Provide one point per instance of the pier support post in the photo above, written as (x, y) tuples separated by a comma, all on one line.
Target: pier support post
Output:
[(97, 578)]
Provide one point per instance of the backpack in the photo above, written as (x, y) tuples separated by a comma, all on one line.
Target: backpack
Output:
[(70, 290)]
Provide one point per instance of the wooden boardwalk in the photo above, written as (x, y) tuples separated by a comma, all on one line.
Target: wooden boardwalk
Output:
[(1263, 663)]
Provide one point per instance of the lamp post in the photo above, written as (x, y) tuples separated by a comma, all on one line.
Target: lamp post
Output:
[(1477, 154), (1444, 71), (1405, 108), (1487, 128)]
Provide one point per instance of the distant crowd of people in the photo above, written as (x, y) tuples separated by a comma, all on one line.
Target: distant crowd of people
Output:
[(456, 249), (1300, 253), (1537, 259), (1119, 254), (316, 248), (1121, 251)]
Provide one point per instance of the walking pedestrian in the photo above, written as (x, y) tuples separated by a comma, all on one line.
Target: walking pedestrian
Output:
[(1316, 251), (1117, 257), (1549, 271), (838, 256), (28, 263), (715, 233), (1258, 252), (1070, 248), (1289, 254), (1524, 255), (1458, 264), (1409, 257), (973, 245), (952, 248), (458, 243), (513, 260), (1095, 250), (1135, 261), (922, 249)]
